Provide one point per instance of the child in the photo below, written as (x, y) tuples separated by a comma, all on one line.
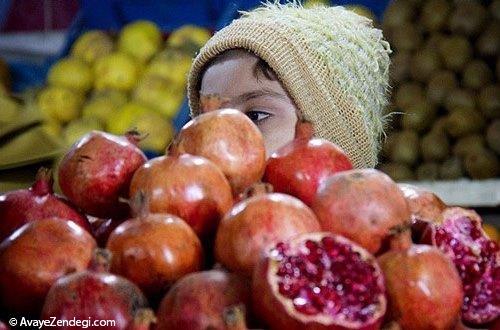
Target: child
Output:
[(283, 63)]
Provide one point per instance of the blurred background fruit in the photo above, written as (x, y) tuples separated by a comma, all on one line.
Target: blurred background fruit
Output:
[(9, 109), (141, 39), (133, 79), (91, 45), (188, 38), (71, 73), (445, 90), (60, 103), (117, 70)]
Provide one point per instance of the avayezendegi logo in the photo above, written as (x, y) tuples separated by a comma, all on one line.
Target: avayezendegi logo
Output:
[(54, 322)]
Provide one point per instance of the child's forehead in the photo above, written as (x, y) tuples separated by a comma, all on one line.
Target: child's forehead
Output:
[(231, 54)]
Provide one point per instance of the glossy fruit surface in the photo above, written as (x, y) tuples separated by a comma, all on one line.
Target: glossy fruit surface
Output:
[(154, 251), (37, 202), (257, 222), (228, 138), (363, 205), (197, 301), (301, 166), (35, 256), (97, 171), (423, 287), (94, 294)]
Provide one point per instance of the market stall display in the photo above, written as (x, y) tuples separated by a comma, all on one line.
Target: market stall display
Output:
[(335, 264), (142, 226)]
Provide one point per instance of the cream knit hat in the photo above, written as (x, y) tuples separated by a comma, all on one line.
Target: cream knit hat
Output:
[(332, 61)]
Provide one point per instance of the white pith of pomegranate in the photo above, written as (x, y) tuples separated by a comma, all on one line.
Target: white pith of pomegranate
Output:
[(319, 281), (477, 260)]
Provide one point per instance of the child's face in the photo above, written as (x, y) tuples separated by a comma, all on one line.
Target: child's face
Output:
[(243, 87)]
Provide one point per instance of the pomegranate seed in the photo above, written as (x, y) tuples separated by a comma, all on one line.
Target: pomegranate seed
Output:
[(326, 275)]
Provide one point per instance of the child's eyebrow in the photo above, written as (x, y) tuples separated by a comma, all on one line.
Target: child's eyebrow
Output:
[(256, 94)]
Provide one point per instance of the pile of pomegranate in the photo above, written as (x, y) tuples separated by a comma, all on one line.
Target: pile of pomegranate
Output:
[(212, 235)]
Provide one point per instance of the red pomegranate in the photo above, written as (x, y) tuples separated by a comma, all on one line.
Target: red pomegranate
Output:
[(37, 202), (229, 139), (261, 220), (301, 166), (35, 256), (424, 205), (319, 281), (94, 294), (190, 187), (423, 287), (197, 301), (363, 205), (154, 251), (97, 171), (476, 258)]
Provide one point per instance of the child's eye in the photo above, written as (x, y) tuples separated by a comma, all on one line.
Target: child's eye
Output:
[(257, 116)]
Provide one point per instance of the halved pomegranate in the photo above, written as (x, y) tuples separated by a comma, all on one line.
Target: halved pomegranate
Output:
[(476, 257), (319, 281)]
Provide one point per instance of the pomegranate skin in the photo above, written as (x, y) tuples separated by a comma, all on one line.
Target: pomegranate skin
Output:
[(423, 287), (154, 251), (197, 301), (35, 256), (97, 171), (257, 222), (38, 202), (271, 307), (301, 166), (188, 186), (476, 257), (362, 205), (424, 205), (93, 295), (230, 140)]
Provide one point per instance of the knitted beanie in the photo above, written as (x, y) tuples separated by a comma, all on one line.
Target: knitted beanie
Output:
[(332, 62)]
